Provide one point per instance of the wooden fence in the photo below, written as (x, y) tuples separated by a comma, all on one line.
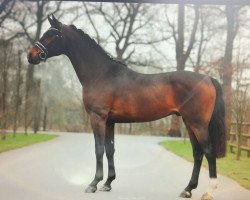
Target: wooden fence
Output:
[(245, 138)]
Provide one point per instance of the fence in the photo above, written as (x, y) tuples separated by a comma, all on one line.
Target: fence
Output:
[(244, 139)]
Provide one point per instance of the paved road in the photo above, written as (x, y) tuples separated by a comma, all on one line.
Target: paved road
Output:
[(61, 169)]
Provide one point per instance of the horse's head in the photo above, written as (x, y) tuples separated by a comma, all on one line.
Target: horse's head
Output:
[(49, 45)]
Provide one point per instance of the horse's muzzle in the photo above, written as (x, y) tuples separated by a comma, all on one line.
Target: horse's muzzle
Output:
[(33, 59)]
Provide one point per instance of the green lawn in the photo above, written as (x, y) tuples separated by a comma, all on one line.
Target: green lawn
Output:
[(228, 166), (22, 140)]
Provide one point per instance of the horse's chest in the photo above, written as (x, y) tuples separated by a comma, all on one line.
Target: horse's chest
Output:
[(97, 102)]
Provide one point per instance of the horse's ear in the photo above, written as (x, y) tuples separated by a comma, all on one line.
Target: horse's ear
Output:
[(54, 22), (50, 20)]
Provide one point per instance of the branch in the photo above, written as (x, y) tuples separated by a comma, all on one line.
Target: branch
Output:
[(3, 6), (129, 55), (192, 37), (92, 23), (173, 28)]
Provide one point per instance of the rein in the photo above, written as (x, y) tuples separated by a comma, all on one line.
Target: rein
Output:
[(43, 54)]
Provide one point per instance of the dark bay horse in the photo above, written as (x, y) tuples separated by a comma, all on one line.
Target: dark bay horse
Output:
[(113, 93)]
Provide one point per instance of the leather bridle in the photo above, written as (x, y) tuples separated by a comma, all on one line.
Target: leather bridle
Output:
[(43, 54)]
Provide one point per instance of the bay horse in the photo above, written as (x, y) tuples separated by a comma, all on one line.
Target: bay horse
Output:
[(113, 93)]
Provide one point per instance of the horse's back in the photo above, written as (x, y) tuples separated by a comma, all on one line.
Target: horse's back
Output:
[(147, 97)]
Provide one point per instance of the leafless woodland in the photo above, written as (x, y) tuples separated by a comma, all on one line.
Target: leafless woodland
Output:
[(149, 38)]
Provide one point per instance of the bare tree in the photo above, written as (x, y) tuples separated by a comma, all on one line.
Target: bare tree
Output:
[(205, 33), (126, 24), (6, 7), (182, 52), (240, 102), (5, 59), (31, 15), (231, 12), (17, 94)]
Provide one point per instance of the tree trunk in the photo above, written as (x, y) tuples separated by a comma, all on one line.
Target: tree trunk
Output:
[(30, 104), (28, 97), (175, 130), (37, 106), (4, 74), (45, 118), (130, 129), (227, 68), (17, 93), (238, 139), (180, 41), (182, 55)]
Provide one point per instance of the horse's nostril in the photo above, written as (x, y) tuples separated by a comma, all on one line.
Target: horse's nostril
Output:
[(33, 59), (29, 57)]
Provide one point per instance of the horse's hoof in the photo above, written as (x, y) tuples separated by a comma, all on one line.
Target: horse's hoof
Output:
[(90, 189), (207, 196), (105, 188), (186, 194)]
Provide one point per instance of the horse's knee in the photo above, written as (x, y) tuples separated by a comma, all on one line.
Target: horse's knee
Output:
[(110, 151), (99, 152)]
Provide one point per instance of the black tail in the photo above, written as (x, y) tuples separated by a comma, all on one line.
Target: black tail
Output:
[(217, 129)]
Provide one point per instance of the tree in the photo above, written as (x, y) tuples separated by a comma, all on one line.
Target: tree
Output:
[(5, 59), (6, 7), (17, 94), (206, 32), (182, 53), (240, 103), (126, 24), (231, 12), (5, 10), (30, 16)]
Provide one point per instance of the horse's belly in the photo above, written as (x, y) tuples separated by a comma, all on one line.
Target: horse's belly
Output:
[(141, 113)]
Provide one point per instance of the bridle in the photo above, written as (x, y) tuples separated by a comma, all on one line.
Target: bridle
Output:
[(43, 54), (43, 51)]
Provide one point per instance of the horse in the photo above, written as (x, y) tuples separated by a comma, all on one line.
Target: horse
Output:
[(113, 93)]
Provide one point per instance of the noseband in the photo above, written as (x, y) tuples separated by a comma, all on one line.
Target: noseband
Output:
[(43, 50)]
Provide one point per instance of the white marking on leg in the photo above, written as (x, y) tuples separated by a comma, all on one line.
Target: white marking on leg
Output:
[(213, 185)]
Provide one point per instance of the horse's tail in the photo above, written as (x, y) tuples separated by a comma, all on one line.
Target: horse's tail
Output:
[(217, 129)]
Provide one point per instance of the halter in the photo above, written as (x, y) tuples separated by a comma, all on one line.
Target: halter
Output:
[(43, 50)]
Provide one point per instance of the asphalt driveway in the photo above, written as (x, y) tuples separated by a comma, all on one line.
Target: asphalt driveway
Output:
[(62, 168)]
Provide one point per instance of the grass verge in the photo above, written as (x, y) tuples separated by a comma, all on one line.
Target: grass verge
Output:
[(22, 140), (228, 166)]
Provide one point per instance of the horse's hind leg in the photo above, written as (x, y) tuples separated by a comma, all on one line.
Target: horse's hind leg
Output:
[(110, 150), (213, 184), (198, 156)]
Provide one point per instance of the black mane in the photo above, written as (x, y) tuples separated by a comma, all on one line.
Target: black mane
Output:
[(96, 46)]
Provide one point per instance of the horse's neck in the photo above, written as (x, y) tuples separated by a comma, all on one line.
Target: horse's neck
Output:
[(89, 64)]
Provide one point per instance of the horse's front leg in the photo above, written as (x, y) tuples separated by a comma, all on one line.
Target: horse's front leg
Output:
[(98, 124), (110, 150)]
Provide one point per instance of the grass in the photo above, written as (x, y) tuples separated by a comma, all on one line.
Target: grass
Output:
[(22, 140), (228, 166)]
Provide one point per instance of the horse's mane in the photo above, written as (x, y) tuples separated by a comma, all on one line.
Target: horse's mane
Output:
[(96, 46)]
